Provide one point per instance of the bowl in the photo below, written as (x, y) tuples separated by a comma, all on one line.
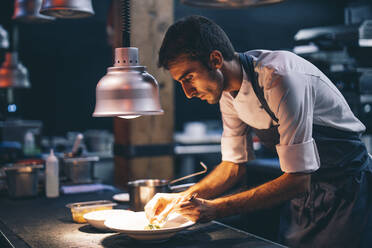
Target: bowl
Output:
[(78, 209), (97, 218)]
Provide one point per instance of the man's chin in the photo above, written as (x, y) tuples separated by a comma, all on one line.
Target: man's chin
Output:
[(212, 101)]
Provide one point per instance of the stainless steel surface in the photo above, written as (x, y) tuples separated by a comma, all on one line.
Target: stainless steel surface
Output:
[(365, 34), (69, 9), (22, 181), (4, 38), (196, 149), (79, 169), (99, 141), (28, 11), (127, 90), (141, 191), (12, 73), (229, 4)]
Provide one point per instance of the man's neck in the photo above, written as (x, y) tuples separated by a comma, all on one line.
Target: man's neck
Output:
[(233, 75)]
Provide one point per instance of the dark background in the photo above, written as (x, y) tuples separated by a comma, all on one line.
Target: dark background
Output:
[(66, 58)]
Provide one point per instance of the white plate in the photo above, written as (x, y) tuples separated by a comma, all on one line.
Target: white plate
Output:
[(123, 197), (133, 224), (97, 218)]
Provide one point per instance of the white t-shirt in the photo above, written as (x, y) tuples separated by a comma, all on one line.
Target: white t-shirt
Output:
[(299, 95)]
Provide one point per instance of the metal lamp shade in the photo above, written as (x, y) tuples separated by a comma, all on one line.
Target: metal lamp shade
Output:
[(69, 9), (127, 90), (28, 11), (12, 73), (4, 39), (228, 4)]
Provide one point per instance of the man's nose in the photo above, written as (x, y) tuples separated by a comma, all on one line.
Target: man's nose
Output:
[(189, 91)]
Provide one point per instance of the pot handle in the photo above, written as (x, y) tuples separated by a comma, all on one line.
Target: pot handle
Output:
[(181, 187), (191, 175)]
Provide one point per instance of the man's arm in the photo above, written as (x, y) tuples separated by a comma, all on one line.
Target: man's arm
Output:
[(272, 193), (222, 178), (267, 195)]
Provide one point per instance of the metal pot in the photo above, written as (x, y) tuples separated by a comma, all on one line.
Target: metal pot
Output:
[(142, 191), (79, 169), (23, 180)]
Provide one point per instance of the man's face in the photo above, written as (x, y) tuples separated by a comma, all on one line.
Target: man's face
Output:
[(197, 80)]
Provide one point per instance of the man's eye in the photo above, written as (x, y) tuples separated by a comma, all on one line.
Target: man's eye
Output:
[(187, 80)]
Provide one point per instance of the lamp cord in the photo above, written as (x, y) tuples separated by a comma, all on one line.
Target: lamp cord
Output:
[(14, 38), (125, 18)]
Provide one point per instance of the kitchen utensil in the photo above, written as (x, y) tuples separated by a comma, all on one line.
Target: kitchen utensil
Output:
[(97, 218), (22, 180), (78, 209), (133, 224), (79, 169), (142, 191), (75, 148)]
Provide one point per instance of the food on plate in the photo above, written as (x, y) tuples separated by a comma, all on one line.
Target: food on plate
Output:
[(152, 227)]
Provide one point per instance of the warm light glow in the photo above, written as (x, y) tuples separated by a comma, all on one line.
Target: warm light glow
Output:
[(129, 116)]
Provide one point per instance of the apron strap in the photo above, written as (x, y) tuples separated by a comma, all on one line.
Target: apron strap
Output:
[(248, 66)]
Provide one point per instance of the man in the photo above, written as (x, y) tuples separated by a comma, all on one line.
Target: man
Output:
[(292, 107)]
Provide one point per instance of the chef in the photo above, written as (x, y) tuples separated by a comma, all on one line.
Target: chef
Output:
[(326, 185)]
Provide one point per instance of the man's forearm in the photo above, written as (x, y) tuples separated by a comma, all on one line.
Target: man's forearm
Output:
[(264, 196), (222, 178)]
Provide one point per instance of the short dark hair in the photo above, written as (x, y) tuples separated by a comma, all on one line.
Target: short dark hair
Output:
[(196, 37)]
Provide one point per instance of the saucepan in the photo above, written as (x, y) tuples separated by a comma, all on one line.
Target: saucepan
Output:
[(142, 191)]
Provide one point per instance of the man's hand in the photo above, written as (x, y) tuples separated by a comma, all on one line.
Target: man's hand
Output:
[(197, 210), (158, 208)]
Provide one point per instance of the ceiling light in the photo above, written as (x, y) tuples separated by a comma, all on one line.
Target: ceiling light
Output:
[(28, 11), (12, 73), (127, 90), (228, 4), (69, 9)]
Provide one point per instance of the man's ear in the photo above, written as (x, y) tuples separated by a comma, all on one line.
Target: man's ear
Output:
[(215, 59)]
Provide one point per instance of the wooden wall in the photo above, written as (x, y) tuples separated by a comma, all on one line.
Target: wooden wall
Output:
[(149, 22)]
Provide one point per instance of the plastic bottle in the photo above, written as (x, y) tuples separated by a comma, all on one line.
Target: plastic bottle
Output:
[(29, 143), (52, 176)]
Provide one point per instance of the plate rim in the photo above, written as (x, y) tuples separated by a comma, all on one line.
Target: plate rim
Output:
[(104, 210), (188, 224)]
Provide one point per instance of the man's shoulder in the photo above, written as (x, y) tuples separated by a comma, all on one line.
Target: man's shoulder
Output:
[(281, 62)]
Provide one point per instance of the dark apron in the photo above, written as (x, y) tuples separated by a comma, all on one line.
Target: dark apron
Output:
[(337, 211)]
